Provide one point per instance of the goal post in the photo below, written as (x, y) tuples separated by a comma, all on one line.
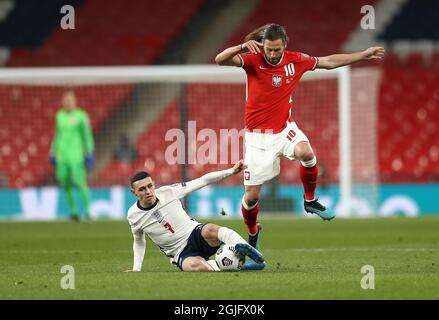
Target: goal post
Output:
[(344, 118), (185, 118)]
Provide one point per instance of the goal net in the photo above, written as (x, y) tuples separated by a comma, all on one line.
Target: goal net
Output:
[(180, 122)]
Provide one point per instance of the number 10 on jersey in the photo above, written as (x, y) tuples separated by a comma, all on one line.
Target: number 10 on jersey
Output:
[(289, 69)]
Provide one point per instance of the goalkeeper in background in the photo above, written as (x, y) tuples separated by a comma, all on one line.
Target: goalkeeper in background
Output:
[(71, 152)]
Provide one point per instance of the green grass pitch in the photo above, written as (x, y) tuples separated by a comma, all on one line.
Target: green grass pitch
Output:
[(306, 259)]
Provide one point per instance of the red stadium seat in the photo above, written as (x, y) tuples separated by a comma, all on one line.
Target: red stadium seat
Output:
[(101, 43), (35, 137), (408, 108)]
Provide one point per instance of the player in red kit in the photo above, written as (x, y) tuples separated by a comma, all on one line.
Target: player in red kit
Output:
[(272, 75)]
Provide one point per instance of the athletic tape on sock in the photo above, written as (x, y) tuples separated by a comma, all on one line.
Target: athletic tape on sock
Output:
[(246, 206), (309, 163)]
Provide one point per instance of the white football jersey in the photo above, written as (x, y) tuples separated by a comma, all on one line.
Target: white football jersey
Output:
[(167, 224)]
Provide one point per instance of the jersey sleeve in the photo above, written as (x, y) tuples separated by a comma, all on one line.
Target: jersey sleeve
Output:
[(247, 60), (55, 144), (307, 62), (87, 133), (180, 190), (139, 245)]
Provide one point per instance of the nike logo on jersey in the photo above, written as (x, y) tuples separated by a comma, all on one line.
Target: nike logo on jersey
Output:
[(262, 68)]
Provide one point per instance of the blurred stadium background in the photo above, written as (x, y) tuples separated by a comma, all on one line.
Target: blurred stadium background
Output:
[(394, 102)]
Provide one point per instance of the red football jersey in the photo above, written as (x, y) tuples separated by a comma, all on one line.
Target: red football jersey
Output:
[(269, 88)]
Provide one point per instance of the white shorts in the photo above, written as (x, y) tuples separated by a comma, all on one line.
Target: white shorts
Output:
[(263, 151)]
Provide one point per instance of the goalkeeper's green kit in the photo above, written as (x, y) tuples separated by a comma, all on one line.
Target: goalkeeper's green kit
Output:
[(72, 142)]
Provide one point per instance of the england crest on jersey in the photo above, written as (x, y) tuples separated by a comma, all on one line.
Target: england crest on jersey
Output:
[(276, 81)]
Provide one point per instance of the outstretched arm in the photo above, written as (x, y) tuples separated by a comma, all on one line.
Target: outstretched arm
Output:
[(54, 146), (343, 59), (87, 134), (229, 57), (139, 246), (209, 178)]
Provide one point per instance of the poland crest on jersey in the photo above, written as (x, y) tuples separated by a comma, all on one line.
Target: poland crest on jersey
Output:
[(276, 81)]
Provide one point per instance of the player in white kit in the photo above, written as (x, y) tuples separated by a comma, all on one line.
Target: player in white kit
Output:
[(159, 214)]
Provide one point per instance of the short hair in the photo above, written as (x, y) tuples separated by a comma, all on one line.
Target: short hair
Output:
[(139, 176), (275, 31), (270, 31)]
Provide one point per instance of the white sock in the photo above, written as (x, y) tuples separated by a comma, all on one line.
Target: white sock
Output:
[(229, 236), (213, 265)]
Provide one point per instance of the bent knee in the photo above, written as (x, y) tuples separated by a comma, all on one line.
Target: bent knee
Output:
[(211, 229), (308, 156), (251, 198), (305, 155), (303, 151)]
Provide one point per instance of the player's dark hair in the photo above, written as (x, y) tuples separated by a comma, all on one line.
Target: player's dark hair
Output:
[(271, 31), (138, 176)]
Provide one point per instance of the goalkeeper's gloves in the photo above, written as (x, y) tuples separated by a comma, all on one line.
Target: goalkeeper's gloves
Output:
[(89, 160), (52, 159)]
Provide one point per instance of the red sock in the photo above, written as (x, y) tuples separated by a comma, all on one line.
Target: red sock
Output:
[(309, 180), (251, 218)]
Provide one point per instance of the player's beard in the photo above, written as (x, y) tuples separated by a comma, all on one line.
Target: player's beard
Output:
[(275, 61)]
